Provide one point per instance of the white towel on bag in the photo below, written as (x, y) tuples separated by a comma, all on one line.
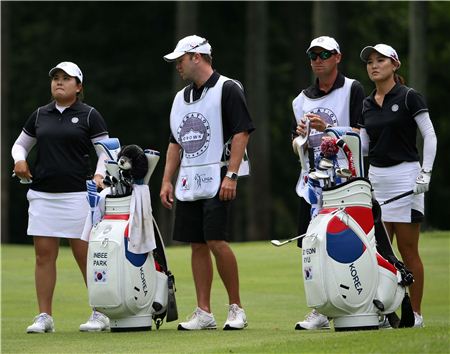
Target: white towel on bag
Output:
[(141, 237)]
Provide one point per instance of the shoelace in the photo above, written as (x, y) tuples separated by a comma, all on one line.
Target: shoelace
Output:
[(40, 318), (194, 314), (95, 316), (312, 315), (232, 312)]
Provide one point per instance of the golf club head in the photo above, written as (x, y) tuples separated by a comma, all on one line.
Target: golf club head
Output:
[(318, 175), (276, 243), (343, 172), (325, 164), (297, 144), (299, 141), (107, 181)]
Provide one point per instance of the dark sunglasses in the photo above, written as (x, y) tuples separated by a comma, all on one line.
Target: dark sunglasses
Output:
[(324, 55)]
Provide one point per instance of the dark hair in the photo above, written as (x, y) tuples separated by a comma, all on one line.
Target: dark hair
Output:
[(399, 79), (80, 95), (206, 57)]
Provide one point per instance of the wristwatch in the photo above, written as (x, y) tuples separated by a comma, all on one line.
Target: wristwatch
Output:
[(232, 175)]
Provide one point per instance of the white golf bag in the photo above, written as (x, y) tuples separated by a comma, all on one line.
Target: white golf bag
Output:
[(345, 276), (132, 289)]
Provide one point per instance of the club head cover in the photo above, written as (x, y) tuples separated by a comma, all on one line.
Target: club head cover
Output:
[(407, 319)]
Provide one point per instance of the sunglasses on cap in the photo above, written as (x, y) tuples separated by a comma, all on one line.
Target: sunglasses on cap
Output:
[(196, 46), (324, 55)]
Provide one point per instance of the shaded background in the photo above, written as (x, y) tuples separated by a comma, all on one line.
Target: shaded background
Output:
[(119, 47)]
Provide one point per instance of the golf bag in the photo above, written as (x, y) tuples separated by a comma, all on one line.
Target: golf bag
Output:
[(350, 271), (132, 287)]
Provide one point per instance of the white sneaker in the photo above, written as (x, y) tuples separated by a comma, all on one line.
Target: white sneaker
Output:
[(236, 318), (313, 320), (199, 320), (96, 323), (418, 320), (42, 323)]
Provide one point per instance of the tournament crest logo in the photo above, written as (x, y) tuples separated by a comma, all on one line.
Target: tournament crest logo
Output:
[(194, 134), (328, 116)]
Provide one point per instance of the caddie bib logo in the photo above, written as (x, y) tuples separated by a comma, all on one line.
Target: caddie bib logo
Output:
[(194, 134), (328, 116)]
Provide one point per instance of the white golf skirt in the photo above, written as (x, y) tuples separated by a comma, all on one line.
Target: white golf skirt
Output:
[(388, 182), (57, 214)]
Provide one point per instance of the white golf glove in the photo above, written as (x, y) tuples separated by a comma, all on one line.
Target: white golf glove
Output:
[(422, 182)]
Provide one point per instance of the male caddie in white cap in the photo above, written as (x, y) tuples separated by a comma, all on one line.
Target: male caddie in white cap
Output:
[(333, 100), (190, 44), (69, 68), (207, 115)]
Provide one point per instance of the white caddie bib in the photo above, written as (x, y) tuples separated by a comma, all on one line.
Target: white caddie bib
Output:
[(197, 127), (334, 109)]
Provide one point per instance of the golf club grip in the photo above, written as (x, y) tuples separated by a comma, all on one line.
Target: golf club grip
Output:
[(397, 197), (311, 159)]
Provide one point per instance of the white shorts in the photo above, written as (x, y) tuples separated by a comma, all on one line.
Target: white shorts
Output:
[(387, 182), (57, 214)]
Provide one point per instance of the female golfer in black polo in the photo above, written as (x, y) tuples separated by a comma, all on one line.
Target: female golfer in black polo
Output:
[(390, 118), (63, 132)]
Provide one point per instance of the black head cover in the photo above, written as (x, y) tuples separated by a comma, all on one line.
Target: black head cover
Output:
[(135, 155)]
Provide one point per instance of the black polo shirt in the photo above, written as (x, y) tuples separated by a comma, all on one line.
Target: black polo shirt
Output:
[(63, 141), (235, 115), (391, 128), (357, 96)]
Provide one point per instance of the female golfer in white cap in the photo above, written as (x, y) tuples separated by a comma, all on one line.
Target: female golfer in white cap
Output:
[(63, 132), (390, 118)]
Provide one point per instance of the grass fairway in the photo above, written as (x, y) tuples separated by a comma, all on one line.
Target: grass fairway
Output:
[(271, 291)]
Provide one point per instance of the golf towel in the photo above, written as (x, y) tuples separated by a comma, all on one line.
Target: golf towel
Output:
[(141, 233)]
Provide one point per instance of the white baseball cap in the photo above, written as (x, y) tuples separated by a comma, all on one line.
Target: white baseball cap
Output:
[(69, 68), (325, 42), (383, 49), (189, 44)]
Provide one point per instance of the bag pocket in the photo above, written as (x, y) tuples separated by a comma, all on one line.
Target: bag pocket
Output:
[(103, 273), (198, 182)]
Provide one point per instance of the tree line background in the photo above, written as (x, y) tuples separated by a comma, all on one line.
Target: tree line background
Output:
[(119, 47)]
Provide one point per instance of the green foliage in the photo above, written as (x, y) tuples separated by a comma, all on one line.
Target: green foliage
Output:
[(271, 291)]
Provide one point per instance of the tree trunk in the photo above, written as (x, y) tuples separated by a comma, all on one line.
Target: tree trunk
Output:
[(5, 148), (417, 58), (258, 201), (417, 46), (324, 20)]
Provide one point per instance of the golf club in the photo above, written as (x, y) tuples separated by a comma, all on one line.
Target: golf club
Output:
[(278, 243), (22, 180), (397, 197)]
